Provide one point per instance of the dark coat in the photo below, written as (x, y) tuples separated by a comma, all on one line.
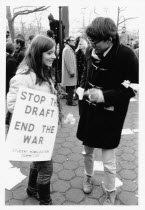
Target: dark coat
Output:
[(80, 57), (19, 55), (54, 26), (100, 125), (11, 67)]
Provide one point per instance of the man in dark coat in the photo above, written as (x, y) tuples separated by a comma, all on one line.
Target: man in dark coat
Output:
[(54, 26), (11, 64), (111, 68), (11, 67), (19, 48)]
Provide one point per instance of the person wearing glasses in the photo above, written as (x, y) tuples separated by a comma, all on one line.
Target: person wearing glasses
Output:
[(111, 68), (69, 70)]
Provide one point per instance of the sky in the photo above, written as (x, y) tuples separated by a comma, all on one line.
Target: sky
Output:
[(76, 13)]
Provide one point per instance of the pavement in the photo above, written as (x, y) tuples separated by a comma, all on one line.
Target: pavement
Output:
[(67, 179)]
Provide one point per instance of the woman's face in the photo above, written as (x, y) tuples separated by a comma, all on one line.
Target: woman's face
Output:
[(82, 44), (48, 57)]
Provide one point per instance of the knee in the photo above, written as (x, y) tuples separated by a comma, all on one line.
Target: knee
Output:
[(88, 154), (110, 167), (45, 172)]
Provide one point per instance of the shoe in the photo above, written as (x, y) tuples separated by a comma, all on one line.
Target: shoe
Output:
[(75, 97), (33, 195), (110, 198), (87, 184), (71, 104), (46, 203)]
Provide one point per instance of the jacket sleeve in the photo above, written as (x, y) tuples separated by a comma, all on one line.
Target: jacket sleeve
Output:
[(15, 83), (69, 61), (84, 76), (85, 73), (20, 57), (123, 94)]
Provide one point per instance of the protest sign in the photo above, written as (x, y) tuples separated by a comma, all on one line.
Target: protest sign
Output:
[(33, 126)]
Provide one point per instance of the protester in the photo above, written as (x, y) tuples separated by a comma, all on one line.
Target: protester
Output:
[(8, 37), (124, 37), (50, 34), (54, 26), (31, 37), (35, 72), (11, 67), (69, 70), (136, 44), (137, 52), (110, 70), (80, 57), (11, 64), (20, 48)]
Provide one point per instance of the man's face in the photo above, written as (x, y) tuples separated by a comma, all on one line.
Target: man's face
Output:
[(17, 45), (72, 41), (101, 46), (50, 21)]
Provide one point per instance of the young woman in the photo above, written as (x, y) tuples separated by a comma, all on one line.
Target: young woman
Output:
[(80, 57), (35, 72)]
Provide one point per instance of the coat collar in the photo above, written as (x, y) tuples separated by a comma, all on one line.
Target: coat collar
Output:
[(110, 53), (68, 46)]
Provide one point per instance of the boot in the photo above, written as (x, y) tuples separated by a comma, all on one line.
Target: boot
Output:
[(109, 198), (87, 184), (44, 194)]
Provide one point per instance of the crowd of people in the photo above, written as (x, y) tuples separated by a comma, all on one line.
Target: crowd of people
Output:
[(98, 66)]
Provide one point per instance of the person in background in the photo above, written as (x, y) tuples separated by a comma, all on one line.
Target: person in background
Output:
[(35, 72), (54, 26), (20, 48), (110, 69), (124, 37), (31, 37), (69, 70), (8, 37), (50, 34), (136, 44), (80, 57), (136, 51), (11, 67), (11, 64)]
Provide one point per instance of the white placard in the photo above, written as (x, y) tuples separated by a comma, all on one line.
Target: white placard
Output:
[(33, 126)]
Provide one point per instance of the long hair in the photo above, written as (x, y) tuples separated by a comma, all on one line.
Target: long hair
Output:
[(102, 28), (33, 57)]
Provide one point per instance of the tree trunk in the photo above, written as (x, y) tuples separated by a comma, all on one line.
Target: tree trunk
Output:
[(10, 23), (118, 13), (65, 20)]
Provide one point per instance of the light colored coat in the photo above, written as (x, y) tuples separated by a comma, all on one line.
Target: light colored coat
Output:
[(69, 66), (26, 80)]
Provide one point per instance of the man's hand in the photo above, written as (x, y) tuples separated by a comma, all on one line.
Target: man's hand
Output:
[(95, 95)]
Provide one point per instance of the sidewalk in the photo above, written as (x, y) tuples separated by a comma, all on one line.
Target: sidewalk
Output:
[(67, 179)]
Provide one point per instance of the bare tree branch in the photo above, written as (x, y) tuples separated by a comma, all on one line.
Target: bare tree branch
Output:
[(122, 9), (25, 12), (16, 8), (127, 19)]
